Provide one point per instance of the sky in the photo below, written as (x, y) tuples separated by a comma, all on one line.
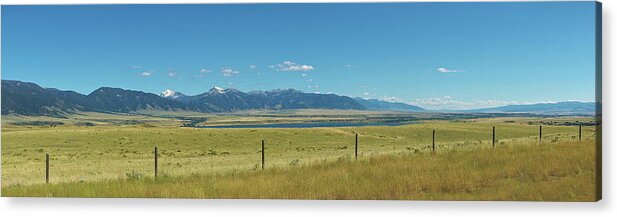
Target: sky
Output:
[(434, 55)]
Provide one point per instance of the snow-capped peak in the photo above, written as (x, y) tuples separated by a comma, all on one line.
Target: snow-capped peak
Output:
[(168, 93), (218, 90)]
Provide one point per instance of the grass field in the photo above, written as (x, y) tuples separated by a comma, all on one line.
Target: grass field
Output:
[(564, 171), (121, 155)]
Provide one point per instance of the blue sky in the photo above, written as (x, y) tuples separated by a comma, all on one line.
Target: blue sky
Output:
[(436, 55)]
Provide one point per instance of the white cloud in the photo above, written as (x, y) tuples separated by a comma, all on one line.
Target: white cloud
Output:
[(446, 70), (368, 95), (450, 103), (309, 80), (202, 73), (227, 72), (172, 74), (146, 73), (391, 99), (348, 66), (168, 93), (304, 75), (292, 66), (136, 67), (252, 67)]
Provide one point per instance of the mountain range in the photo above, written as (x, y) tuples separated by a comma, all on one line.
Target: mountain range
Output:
[(26, 98), (379, 105), (557, 108)]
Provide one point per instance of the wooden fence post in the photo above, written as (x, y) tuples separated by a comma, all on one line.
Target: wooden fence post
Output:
[(356, 153), (433, 140), (263, 154), (580, 132), (47, 168), (493, 136), (156, 162), (540, 134)]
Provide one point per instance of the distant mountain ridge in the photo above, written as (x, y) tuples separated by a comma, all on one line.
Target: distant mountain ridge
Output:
[(226, 100), (26, 98), (374, 104), (562, 108), (120, 100), (30, 99)]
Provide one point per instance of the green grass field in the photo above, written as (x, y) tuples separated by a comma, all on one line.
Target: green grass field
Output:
[(121, 158)]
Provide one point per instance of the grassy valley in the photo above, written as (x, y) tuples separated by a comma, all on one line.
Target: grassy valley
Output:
[(113, 156)]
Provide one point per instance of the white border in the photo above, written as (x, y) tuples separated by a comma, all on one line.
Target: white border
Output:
[(49, 207)]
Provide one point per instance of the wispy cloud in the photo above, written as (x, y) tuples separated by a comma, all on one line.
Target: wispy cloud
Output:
[(368, 95), (136, 67), (391, 99), (450, 103), (172, 74), (446, 70), (203, 72), (304, 74), (292, 66), (228, 72), (348, 66), (252, 66), (146, 73)]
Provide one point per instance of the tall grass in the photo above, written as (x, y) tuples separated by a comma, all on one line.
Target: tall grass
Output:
[(111, 152), (518, 170)]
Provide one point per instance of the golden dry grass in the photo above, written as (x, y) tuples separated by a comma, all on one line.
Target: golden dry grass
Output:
[(111, 152), (561, 171)]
